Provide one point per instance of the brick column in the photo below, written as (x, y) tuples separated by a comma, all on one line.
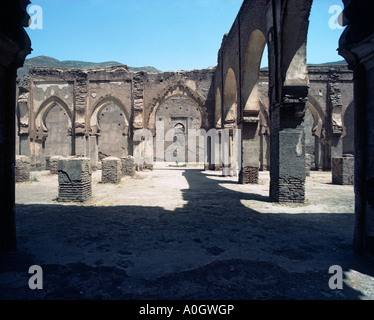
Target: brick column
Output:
[(111, 170), (250, 156), (357, 47), (287, 161), (14, 47), (74, 179), (22, 169)]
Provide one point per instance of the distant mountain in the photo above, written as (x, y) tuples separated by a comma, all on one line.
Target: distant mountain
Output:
[(48, 62), (334, 63)]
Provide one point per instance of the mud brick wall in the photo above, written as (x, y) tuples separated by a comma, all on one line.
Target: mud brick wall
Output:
[(343, 170), (249, 175), (53, 164), (74, 180), (22, 169), (111, 170), (128, 166)]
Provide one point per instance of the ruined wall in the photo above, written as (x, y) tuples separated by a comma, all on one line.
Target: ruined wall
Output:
[(94, 113)]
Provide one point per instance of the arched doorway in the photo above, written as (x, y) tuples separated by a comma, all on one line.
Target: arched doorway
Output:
[(177, 116), (59, 140)]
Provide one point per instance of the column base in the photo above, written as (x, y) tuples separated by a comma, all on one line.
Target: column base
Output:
[(249, 175)]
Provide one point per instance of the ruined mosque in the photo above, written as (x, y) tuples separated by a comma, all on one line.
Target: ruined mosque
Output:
[(293, 117)]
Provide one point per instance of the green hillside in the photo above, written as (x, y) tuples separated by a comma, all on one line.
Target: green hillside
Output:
[(48, 62)]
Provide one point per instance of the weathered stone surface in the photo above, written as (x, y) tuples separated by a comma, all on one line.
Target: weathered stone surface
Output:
[(128, 166), (111, 170), (343, 170), (249, 175), (308, 164), (74, 179), (22, 169), (53, 164)]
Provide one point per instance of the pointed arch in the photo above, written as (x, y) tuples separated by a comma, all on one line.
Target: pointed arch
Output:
[(251, 72), (178, 89), (318, 116), (294, 40), (43, 111), (230, 97), (99, 106)]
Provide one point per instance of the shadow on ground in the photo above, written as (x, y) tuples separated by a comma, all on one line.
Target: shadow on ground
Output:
[(212, 248)]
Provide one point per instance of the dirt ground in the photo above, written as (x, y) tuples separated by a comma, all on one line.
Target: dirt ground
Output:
[(184, 233)]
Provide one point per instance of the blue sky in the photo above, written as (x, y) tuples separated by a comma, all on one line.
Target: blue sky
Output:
[(166, 34)]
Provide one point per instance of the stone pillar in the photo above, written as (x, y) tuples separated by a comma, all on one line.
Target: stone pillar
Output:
[(225, 152), (287, 161), (308, 164), (128, 166), (343, 170), (216, 149), (53, 164), (22, 169), (14, 47), (94, 152), (356, 45), (250, 156), (111, 170), (74, 179)]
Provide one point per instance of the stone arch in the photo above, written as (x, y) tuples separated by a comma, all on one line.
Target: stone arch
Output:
[(41, 115), (318, 115), (230, 97), (104, 102), (251, 72), (295, 26), (218, 109), (177, 90)]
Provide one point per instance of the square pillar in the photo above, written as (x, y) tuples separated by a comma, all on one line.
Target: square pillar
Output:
[(343, 170), (250, 151), (111, 170), (22, 169), (74, 179), (287, 162), (128, 166)]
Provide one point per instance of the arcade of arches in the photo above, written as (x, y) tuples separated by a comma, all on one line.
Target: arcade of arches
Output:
[(283, 114)]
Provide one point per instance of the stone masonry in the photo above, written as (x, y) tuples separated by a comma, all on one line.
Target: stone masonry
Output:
[(22, 169), (111, 170), (128, 166), (343, 170), (53, 164), (249, 175), (74, 179)]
